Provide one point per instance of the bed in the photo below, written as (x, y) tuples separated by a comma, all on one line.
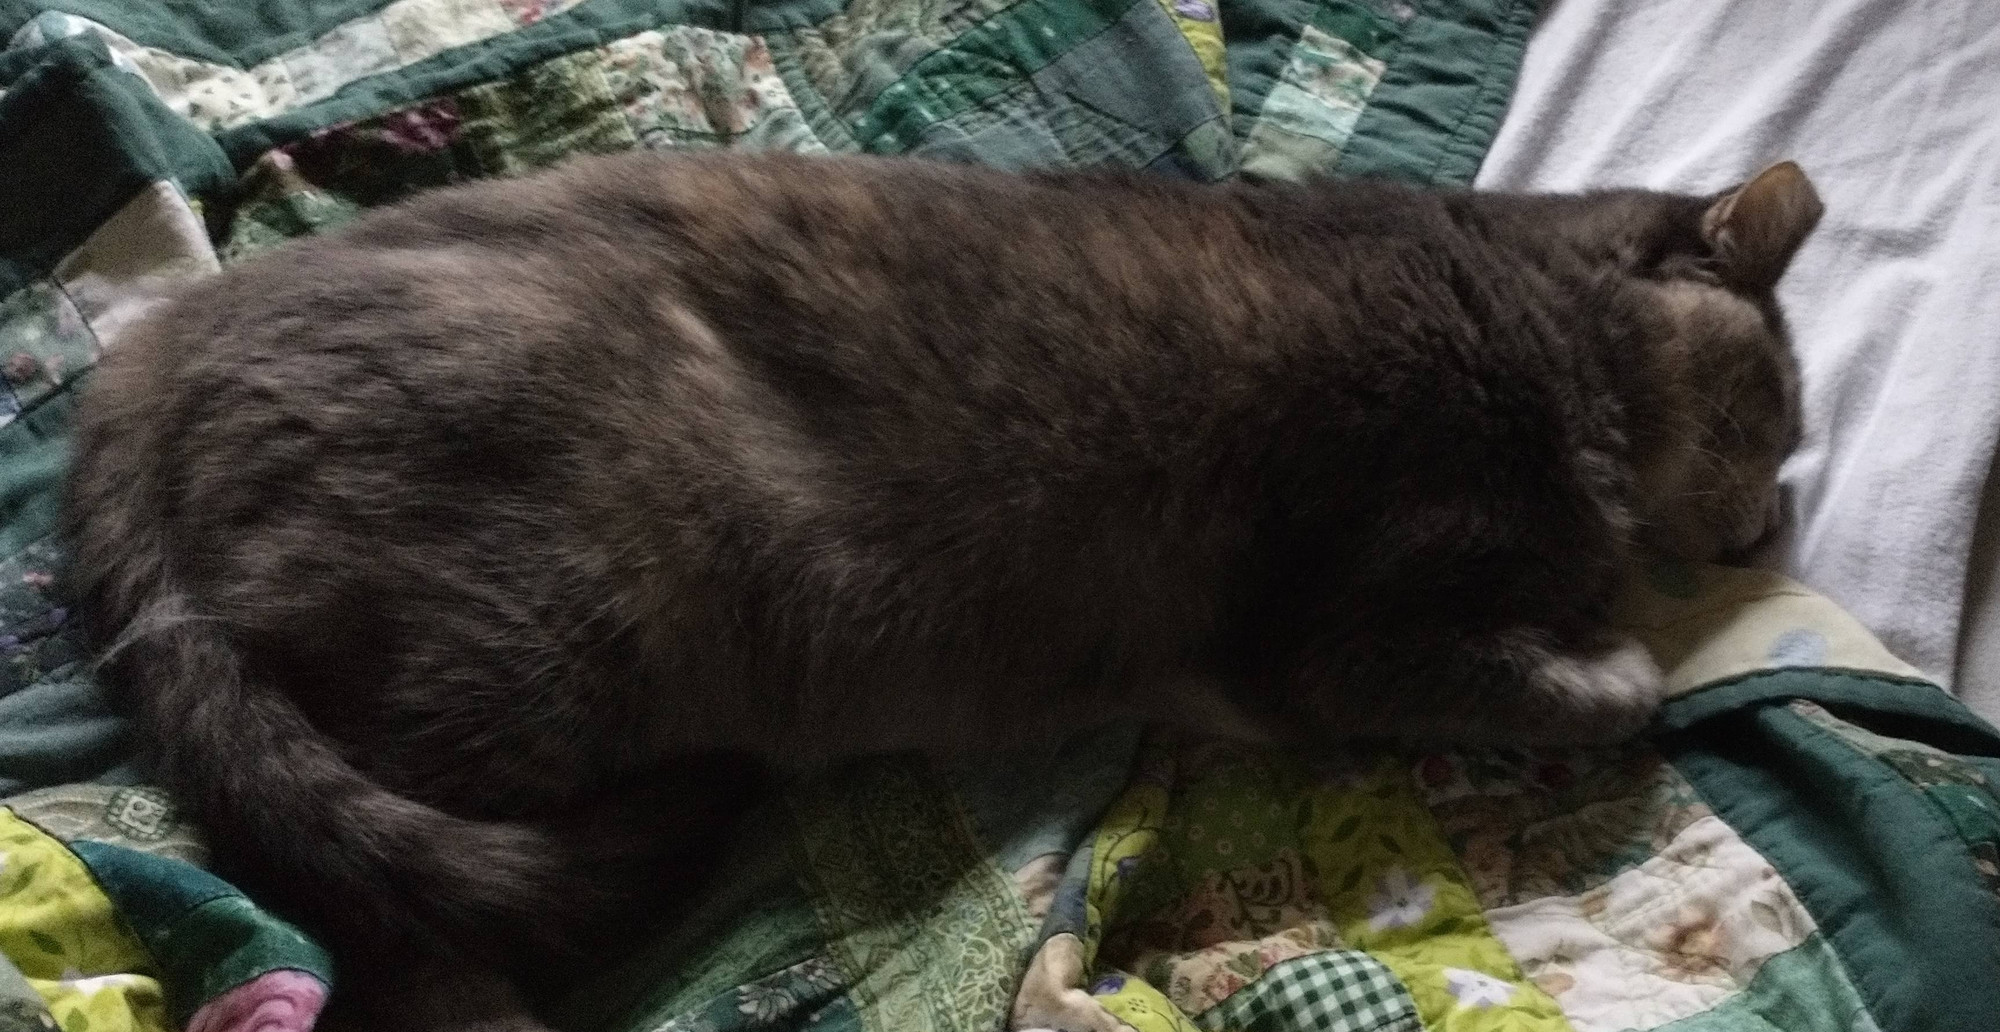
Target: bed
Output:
[(1809, 839)]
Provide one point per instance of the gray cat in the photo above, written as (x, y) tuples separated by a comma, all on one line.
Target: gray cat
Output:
[(430, 551)]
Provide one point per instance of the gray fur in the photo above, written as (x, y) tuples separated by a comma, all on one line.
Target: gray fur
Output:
[(590, 492)]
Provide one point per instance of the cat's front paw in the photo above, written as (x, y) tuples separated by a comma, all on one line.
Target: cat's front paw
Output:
[(1598, 699)]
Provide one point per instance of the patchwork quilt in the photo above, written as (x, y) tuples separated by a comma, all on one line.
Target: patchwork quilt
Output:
[(1809, 840)]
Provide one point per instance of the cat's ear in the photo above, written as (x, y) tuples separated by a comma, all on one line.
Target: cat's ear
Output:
[(1756, 228)]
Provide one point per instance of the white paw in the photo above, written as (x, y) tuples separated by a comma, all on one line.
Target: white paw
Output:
[(1607, 697)]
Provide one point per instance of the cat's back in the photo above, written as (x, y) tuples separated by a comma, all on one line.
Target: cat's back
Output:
[(781, 326), (563, 274), (572, 277)]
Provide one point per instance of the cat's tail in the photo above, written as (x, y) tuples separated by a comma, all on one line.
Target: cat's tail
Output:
[(299, 825)]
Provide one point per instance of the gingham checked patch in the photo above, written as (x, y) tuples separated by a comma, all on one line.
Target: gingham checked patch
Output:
[(1335, 991)]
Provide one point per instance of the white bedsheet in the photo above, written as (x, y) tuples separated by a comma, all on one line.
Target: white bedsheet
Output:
[(1893, 107)]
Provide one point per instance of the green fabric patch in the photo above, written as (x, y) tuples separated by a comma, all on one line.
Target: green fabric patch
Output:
[(1311, 112), (1261, 38), (1438, 105), (79, 137), (876, 894), (837, 65), (1041, 802), (807, 994), (982, 63), (1803, 989), (1960, 787), (553, 110), (206, 937), (1893, 886), (221, 31), (917, 918), (43, 339), (1902, 707), (755, 925), (279, 204), (34, 454), (1133, 95)]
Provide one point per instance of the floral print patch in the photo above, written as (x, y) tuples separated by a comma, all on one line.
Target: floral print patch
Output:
[(1671, 937)]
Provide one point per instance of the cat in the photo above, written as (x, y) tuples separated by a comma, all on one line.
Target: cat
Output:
[(651, 471)]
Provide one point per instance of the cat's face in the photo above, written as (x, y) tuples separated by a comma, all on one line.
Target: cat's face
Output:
[(1718, 358)]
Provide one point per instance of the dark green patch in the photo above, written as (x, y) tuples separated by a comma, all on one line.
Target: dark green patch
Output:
[(1890, 880)]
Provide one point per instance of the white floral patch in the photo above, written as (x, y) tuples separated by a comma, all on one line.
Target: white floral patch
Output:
[(209, 94), (353, 51), (419, 28), (220, 96), (1672, 937), (1477, 988), (1400, 900)]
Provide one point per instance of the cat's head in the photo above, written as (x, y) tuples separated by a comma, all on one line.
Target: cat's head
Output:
[(1713, 381)]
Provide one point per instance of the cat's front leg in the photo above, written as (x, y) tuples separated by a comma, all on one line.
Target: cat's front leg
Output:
[(1589, 698), (1515, 687)]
